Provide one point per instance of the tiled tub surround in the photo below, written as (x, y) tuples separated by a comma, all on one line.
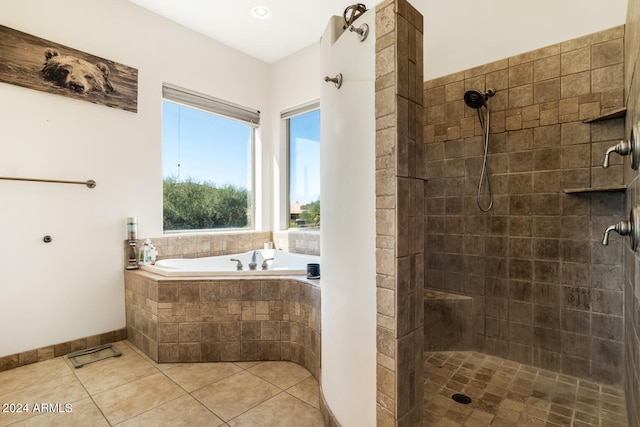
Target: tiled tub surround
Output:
[(214, 320), (302, 241), (206, 244), (545, 291)]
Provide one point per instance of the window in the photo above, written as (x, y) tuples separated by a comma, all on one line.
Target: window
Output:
[(207, 162), (302, 126)]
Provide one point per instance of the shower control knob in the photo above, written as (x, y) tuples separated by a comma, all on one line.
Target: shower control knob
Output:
[(629, 228), (625, 148), (623, 228)]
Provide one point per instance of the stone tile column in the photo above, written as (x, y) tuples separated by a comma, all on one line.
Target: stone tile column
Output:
[(400, 170)]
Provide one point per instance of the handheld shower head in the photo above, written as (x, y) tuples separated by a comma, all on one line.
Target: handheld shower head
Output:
[(476, 99)]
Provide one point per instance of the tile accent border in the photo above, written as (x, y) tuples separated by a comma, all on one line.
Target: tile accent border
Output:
[(49, 352)]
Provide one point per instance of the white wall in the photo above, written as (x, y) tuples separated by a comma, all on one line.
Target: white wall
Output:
[(463, 34), (73, 287), (348, 243)]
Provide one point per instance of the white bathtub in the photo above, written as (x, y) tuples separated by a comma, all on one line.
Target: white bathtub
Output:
[(283, 264)]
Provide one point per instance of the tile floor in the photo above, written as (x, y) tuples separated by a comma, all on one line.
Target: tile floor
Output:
[(506, 393), (132, 390)]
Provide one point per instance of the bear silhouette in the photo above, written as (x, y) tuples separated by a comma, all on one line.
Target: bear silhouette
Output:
[(75, 73)]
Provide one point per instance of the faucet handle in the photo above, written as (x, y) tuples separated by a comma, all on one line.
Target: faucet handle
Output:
[(238, 265), (626, 228), (623, 228), (264, 263), (625, 148)]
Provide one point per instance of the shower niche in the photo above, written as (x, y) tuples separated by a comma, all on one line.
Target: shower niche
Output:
[(616, 184)]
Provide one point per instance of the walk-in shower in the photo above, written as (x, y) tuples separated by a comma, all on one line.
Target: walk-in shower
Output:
[(478, 100)]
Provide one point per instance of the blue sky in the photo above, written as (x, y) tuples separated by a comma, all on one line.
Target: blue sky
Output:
[(206, 147), (198, 145), (304, 157)]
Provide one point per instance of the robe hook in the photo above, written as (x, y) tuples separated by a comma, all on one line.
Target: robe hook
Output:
[(337, 80)]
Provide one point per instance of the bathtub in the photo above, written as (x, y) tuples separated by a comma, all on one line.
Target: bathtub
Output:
[(283, 264)]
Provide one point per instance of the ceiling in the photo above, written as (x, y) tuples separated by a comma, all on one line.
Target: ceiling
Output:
[(290, 26)]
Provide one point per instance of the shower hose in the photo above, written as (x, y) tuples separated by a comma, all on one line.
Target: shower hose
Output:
[(484, 175)]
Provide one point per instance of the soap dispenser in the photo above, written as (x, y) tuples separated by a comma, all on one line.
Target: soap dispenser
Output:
[(147, 253)]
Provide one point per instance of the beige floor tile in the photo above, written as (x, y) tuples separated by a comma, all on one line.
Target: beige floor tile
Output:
[(282, 410), (183, 411), (110, 373), (236, 394), (308, 391), (82, 413), (280, 374), (131, 399), (134, 390), (36, 373), (131, 346), (159, 366), (192, 376), (246, 365), (61, 390)]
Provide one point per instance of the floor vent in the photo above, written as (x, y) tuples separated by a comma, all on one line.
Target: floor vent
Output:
[(94, 354)]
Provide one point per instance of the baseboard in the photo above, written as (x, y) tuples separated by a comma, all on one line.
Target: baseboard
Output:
[(45, 353)]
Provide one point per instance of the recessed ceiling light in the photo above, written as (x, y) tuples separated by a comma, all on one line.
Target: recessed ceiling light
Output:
[(260, 12)]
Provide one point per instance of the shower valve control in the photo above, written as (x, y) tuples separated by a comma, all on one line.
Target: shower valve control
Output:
[(629, 228), (625, 148)]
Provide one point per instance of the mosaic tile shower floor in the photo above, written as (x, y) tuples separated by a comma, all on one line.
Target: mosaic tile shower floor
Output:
[(506, 393)]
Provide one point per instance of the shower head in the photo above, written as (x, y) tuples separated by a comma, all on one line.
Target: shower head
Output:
[(476, 99)]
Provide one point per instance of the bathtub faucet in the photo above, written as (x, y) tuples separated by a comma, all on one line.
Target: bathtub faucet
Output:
[(253, 264)]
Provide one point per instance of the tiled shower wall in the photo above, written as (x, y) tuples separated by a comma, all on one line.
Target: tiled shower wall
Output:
[(631, 260), (545, 291)]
